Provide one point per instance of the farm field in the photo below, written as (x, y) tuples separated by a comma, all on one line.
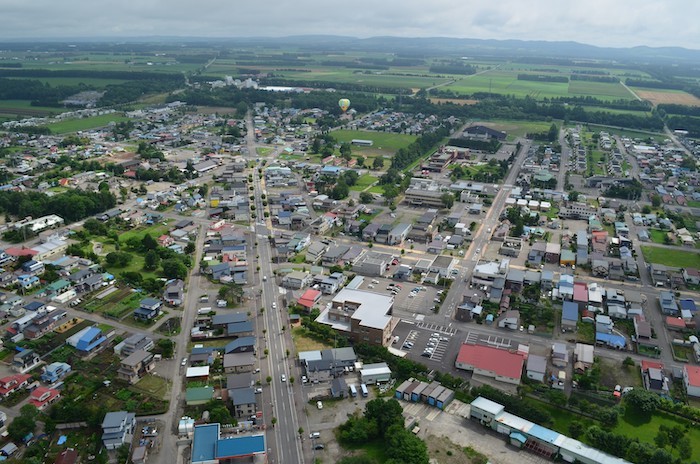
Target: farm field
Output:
[(74, 125), (386, 79), (668, 257), (659, 96), (14, 108), (601, 90), (90, 81)]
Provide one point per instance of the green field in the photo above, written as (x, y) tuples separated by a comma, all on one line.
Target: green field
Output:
[(505, 81), (89, 81), (75, 125), (363, 182), (668, 257), (614, 110), (517, 128), (387, 141), (376, 79), (24, 108)]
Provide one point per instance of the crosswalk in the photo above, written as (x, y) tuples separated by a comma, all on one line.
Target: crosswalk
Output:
[(436, 328)]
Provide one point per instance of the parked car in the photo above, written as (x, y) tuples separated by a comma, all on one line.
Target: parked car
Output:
[(319, 404)]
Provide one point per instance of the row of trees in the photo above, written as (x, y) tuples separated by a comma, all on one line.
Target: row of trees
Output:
[(72, 206)]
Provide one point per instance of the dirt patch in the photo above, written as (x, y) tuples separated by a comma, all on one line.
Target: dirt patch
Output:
[(676, 98), (614, 373), (442, 450), (456, 101)]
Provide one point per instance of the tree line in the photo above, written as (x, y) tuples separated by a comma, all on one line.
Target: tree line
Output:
[(72, 206)]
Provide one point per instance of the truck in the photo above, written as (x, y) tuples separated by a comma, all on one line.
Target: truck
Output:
[(353, 391)]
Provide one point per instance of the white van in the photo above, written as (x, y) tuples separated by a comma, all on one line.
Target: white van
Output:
[(206, 310)]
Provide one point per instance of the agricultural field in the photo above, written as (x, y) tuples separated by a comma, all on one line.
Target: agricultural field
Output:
[(75, 125), (12, 108), (601, 90), (659, 96), (89, 81), (375, 79)]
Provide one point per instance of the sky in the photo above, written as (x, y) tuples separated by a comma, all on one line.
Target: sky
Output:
[(608, 23)]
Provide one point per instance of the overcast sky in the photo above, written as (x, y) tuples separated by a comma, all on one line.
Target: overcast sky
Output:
[(617, 23)]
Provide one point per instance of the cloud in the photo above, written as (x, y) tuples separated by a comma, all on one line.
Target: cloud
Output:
[(598, 22)]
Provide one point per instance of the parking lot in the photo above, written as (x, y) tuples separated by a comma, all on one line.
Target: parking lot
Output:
[(430, 344)]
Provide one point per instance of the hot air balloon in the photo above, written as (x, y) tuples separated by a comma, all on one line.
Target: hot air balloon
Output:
[(344, 104)]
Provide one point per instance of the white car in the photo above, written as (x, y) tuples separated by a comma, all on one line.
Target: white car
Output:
[(319, 404), (284, 378), (374, 281), (184, 361), (370, 286), (274, 305)]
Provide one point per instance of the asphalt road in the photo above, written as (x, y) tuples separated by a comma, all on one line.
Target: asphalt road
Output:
[(280, 398)]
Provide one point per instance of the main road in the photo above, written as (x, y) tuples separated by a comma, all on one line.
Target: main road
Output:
[(481, 237), (281, 398)]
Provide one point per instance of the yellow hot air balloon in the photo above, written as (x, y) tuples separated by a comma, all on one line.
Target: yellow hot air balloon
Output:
[(344, 104)]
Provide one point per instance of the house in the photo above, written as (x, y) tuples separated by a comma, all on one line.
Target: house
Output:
[(42, 397), (569, 316), (667, 303), (581, 295), (583, 356), (309, 299), (333, 283), (244, 402), (536, 367), (117, 429), (296, 280), (13, 383), (148, 309), (560, 355), (510, 320), (398, 234), (373, 264), (174, 292), (339, 388), (134, 343), (240, 345), (55, 372), (135, 366), (691, 276), (691, 379), (603, 324), (88, 340), (315, 251), (443, 265), (487, 361), (25, 361), (235, 363), (324, 365)]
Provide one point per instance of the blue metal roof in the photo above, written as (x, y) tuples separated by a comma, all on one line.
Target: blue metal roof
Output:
[(569, 311), (543, 434), (204, 442), (240, 446), (610, 339), (518, 436)]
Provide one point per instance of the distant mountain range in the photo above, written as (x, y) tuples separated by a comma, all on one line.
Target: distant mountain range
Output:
[(424, 47)]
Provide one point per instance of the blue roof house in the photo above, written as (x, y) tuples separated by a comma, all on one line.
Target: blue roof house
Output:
[(55, 372), (91, 340)]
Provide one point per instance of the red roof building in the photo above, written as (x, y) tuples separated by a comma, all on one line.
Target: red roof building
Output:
[(309, 298), (69, 456), (42, 397), (581, 294), (691, 378), (675, 323), (501, 365), (12, 383), (20, 251), (646, 365)]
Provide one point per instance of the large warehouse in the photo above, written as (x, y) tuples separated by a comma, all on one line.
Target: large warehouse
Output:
[(535, 438)]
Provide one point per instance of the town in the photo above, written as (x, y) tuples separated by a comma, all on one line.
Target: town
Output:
[(188, 283)]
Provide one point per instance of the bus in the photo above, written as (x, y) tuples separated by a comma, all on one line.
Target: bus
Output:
[(353, 391), (365, 393)]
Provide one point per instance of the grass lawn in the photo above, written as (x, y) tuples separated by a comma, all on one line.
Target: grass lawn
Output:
[(302, 342), (363, 182), (263, 151), (675, 258), (74, 125), (376, 189), (553, 213), (387, 141), (645, 429), (517, 128), (153, 385), (694, 204), (300, 258), (657, 236), (374, 450), (155, 230)]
